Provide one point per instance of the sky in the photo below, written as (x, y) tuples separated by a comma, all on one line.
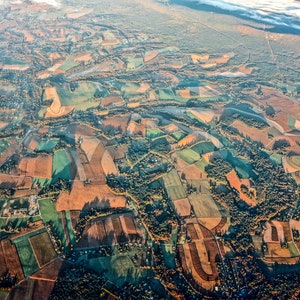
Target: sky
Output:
[(276, 12)]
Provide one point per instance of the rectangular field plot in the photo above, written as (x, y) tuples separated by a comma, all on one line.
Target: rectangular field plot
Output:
[(204, 206), (42, 248), (61, 166), (174, 186), (49, 213), (188, 155), (47, 145), (26, 255), (82, 95), (204, 147)]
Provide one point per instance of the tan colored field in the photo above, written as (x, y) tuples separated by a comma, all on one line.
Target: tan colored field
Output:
[(108, 164), (192, 138), (199, 57), (192, 172), (89, 145), (134, 128), (182, 207), (86, 57), (204, 115), (133, 104), (84, 197), (186, 94), (55, 109), (15, 67), (3, 125), (283, 105), (54, 56), (112, 100), (150, 55), (40, 166), (236, 183), (43, 248), (204, 206), (171, 128), (9, 260), (252, 132), (144, 87)]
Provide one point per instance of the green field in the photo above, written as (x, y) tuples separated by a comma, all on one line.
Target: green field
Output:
[(165, 94), (202, 164), (294, 160), (293, 249), (47, 145), (69, 64), (81, 97), (27, 258), (169, 250), (154, 133), (134, 63), (4, 144), (70, 228), (174, 186), (188, 155), (204, 147), (49, 214), (25, 252), (118, 268), (242, 166), (61, 166), (276, 159), (291, 122), (192, 116), (178, 135)]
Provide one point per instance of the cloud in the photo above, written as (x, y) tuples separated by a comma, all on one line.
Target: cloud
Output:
[(55, 3), (275, 12)]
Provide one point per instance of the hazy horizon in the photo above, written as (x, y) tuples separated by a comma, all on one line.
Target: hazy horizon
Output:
[(275, 12)]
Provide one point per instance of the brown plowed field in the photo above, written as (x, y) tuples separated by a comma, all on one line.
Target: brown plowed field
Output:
[(40, 166), (43, 248), (15, 181), (109, 231), (117, 121), (84, 197), (252, 132), (10, 260), (283, 105), (32, 289), (50, 271), (182, 207), (74, 214)]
